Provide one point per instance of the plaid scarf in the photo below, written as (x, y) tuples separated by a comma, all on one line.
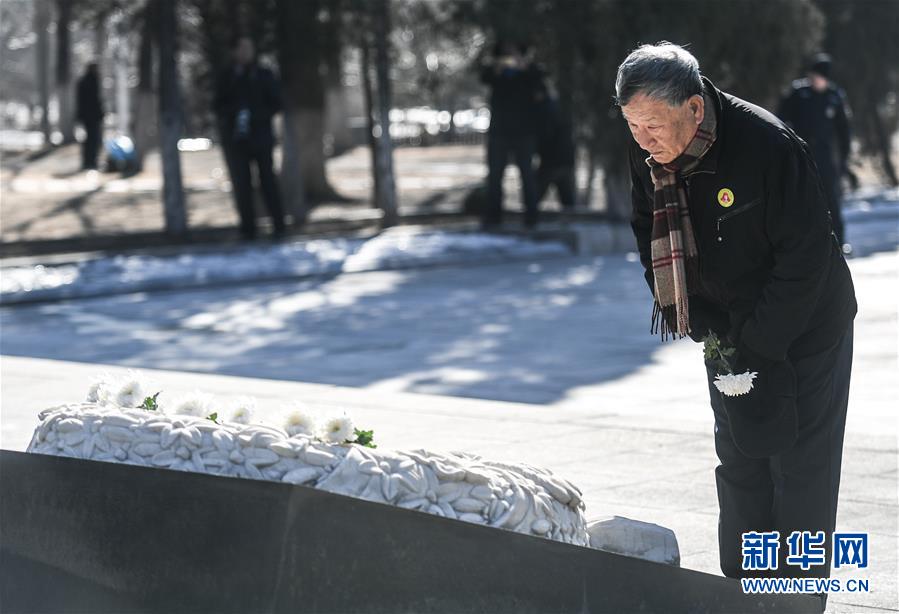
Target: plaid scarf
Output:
[(673, 247)]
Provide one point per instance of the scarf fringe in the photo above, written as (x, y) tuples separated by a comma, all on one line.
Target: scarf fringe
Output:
[(664, 322)]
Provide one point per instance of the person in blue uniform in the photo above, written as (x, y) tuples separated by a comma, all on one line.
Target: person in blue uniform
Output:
[(816, 109)]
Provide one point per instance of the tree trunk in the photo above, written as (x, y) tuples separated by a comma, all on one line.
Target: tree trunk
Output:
[(368, 104), (144, 131), (301, 57), (41, 23), (101, 35), (64, 91), (883, 145), (170, 120), (120, 63), (338, 134), (617, 184), (386, 184), (586, 197), (310, 126), (292, 192)]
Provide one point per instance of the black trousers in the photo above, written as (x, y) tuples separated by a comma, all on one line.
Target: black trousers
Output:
[(90, 147), (521, 149), (796, 490), (560, 176), (239, 157), (834, 193)]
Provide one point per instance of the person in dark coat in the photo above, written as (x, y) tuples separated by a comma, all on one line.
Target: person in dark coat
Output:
[(817, 110), (555, 148), (247, 96), (89, 112), (516, 89), (735, 238)]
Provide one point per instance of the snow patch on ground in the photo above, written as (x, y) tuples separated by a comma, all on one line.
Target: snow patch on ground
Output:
[(393, 249)]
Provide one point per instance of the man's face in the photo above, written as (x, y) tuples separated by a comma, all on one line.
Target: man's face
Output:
[(819, 82), (660, 129)]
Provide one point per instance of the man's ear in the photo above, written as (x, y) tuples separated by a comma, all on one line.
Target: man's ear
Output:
[(697, 107)]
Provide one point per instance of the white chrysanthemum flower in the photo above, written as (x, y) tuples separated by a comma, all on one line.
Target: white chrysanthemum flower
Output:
[(197, 404), (132, 392), (244, 410), (735, 385), (338, 430), (99, 392), (299, 422)]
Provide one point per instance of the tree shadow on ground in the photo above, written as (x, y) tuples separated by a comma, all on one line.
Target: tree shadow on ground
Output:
[(528, 332), (75, 205), (524, 332)]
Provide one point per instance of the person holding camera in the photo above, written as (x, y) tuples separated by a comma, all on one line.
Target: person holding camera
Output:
[(516, 90)]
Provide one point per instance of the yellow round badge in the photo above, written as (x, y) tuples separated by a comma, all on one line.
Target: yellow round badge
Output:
[(725, 197)]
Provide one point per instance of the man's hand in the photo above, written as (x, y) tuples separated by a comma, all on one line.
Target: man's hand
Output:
[(748, 360), (764, 422)]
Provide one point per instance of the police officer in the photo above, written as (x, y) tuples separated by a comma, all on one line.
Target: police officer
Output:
[(735, 238), (817, 110)]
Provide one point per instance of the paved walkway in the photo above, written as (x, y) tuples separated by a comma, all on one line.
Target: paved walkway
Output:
[(555, 354), (50, 199)]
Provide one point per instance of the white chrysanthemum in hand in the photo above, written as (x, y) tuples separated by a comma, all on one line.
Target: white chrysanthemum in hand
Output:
[(338, 430), (197, 404), (735, 385), (131, 392), (244, 410), (299, 422)]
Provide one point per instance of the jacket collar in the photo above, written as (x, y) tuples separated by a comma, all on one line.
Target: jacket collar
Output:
[(709, 162)]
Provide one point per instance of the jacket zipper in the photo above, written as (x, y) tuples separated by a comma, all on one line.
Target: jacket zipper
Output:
[(687, 178), (731, 214)]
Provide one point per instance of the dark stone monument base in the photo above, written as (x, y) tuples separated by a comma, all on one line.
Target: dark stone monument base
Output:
[(86, 536)]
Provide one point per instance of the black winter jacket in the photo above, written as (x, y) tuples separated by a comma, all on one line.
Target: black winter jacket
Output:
[(821, 119), (514, 100), (255, 88), (88, 105), (772, 276)]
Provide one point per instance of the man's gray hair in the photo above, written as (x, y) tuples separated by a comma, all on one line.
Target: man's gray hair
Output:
[(664, 71)]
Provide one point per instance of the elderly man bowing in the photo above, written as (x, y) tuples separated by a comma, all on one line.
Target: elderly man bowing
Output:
[(736, 240)]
